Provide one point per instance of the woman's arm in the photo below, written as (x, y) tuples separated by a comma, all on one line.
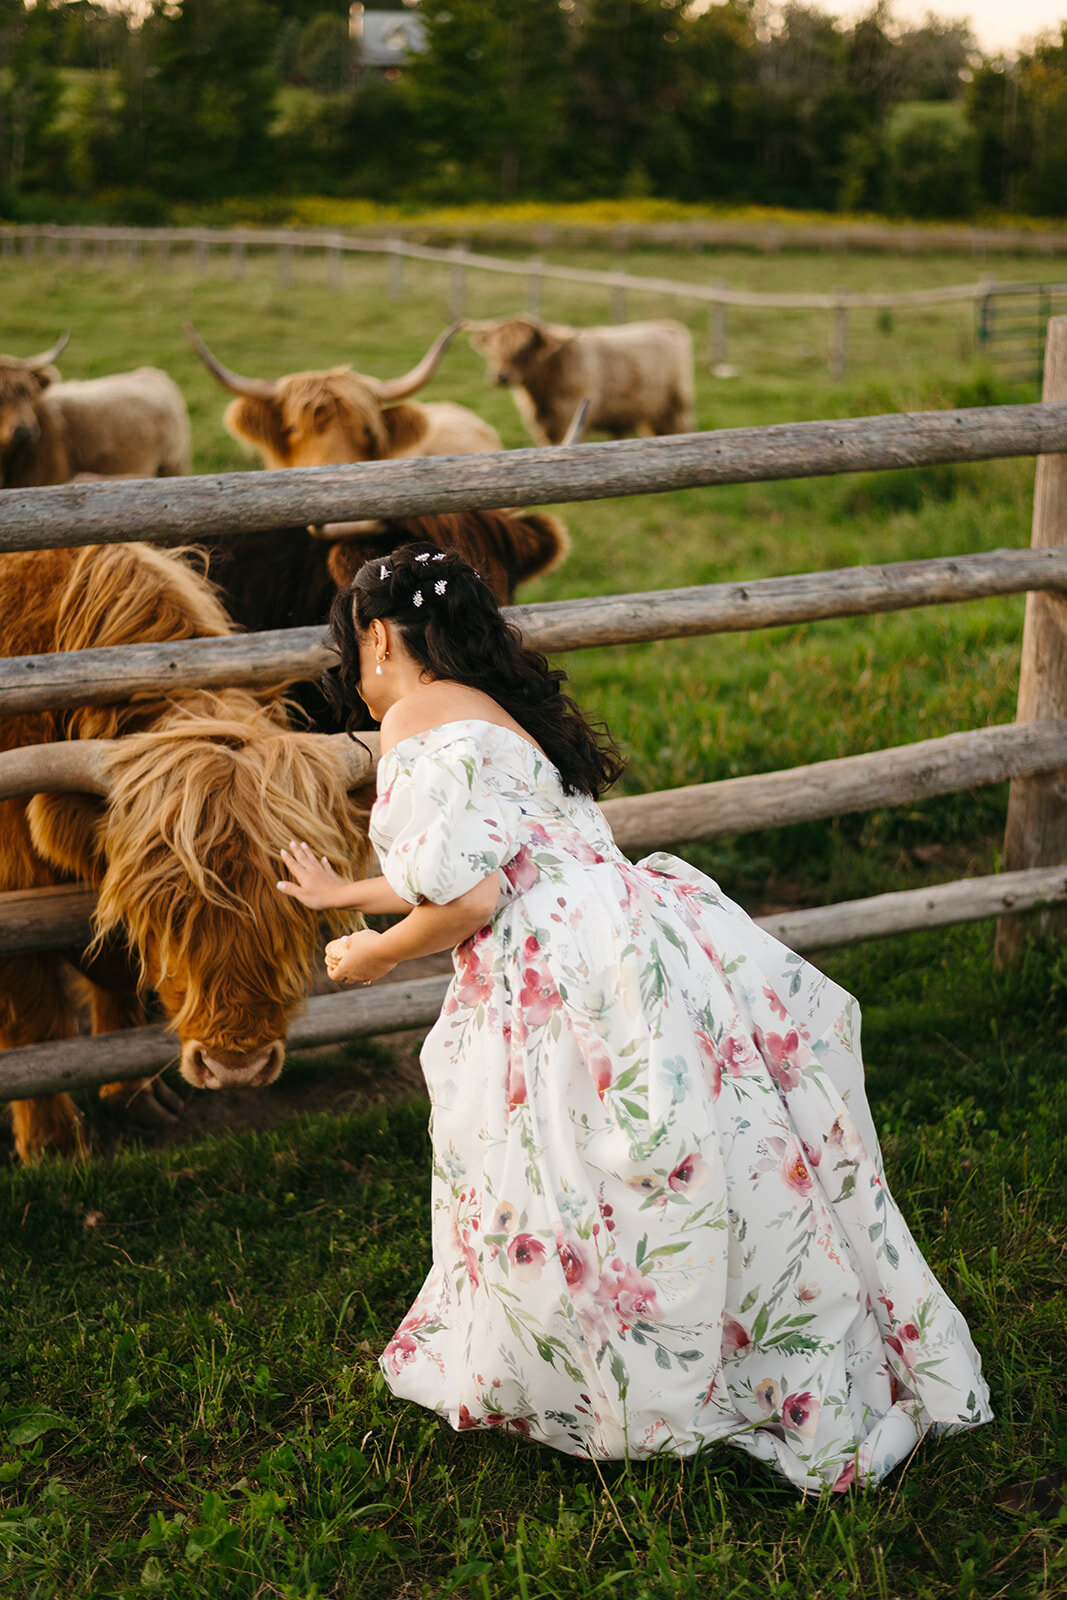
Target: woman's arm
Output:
[(362, 957), (315, 884)]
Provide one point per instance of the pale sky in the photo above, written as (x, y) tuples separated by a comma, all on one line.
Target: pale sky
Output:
[(998, 25)]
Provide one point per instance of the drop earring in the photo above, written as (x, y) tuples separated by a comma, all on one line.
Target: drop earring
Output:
[(378, 664)]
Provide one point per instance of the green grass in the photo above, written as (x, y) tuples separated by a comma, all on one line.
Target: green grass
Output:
[(189, 1402)]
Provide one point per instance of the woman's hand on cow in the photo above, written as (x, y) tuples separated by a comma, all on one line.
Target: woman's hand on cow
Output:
[(357, 958), (312, 880)]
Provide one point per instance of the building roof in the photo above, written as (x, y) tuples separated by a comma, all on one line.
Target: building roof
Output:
[(387, 38)]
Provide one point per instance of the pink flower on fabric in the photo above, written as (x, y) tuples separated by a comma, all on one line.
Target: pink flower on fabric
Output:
[(845, 1480), (521, 871), (691, 1173), (905, 1341), (474, 980), (578, 1262), (598, 1061), (516, 1083), (466, 1420), (712, 1059), (399, 1353), (531, 948), (800, 1413), (734, 1336), (779, 1052), (775, 1003), (739, 1056), (635, 1296), (520, 1425), (539, 996), (794, 1169), (527, 1256)]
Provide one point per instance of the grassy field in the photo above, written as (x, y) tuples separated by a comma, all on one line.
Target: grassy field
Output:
[(189, 1402)]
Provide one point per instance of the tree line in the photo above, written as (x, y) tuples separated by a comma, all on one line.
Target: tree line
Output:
[(196, 100)]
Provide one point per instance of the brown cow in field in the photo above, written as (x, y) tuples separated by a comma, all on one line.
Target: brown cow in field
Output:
[(506, 547), (320, 419), (130, 424), (177, 824), (638, 378)]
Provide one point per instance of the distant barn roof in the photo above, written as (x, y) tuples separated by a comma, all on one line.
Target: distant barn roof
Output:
[(388, 38)]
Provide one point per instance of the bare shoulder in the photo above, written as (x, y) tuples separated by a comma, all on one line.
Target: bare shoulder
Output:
[(435, 705)]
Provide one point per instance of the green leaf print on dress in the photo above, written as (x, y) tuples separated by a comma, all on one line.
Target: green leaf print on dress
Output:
[(659, 1216)]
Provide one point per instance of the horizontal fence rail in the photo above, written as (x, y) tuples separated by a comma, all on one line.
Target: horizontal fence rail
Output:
[(899, 776), (128, 243), (103, 676), (330, 1019), (177, 509)]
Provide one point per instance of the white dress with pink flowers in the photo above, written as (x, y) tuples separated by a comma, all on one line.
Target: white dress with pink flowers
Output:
[(659, 1213)]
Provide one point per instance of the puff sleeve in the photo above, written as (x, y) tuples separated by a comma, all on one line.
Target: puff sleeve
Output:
[(441, 823)]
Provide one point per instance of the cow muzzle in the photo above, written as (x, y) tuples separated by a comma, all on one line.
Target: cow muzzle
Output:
[(211, 1067)]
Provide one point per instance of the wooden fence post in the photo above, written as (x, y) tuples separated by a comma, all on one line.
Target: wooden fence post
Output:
[(717, 314), (535, 287), (285, 265), (618, 302), (237, 259), (200, 257), (1036, 830), (336, 275), (396, 272), (457, 299), (839, 339)]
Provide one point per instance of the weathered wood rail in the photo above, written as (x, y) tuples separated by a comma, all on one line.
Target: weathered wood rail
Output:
[(185, 509), (104, 676), (1031, 751)]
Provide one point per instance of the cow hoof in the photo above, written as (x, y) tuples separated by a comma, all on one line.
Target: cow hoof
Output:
[(153, 1104)]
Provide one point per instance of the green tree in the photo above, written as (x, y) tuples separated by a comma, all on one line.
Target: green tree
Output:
[(208, 97), (932, 161), (325, 55), (29, 92), (487, 91)]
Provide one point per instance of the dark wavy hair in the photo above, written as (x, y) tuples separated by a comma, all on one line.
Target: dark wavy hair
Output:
[(453, 627)]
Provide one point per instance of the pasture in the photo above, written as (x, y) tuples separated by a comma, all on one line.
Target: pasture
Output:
[(189, 1402)]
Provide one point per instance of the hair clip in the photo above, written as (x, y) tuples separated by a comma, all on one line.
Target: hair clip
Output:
[(416, 598), (424, 557), (383, 572), (440, 557), (440, 586)]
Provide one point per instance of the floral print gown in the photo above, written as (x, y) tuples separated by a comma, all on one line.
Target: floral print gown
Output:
[(659, 1212)]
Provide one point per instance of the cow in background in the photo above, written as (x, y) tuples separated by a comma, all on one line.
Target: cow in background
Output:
[(638, 377), (130, 424), (326, 418)]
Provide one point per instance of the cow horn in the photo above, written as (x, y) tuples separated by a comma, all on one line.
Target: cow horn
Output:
[(391, 389), (576, 426), (360, 756), (46, 357), (251, 388), (77, 766)]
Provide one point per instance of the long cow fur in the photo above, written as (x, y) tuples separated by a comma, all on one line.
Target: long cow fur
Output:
[(184, 855)]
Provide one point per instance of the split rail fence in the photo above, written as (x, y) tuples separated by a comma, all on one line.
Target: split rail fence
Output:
[(206, 245), (1031, 752)]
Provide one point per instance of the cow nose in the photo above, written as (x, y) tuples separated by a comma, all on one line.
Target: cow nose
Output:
[(22, 433), (211, 1067), (502, 379)]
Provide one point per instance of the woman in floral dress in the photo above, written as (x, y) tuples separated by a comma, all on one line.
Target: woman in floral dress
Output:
[(659, 1212)]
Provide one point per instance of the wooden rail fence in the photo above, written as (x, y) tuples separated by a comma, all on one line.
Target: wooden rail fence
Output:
[(130, 246), (1032, 752)]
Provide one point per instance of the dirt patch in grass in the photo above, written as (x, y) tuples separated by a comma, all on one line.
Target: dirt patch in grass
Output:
[(336, 1078)]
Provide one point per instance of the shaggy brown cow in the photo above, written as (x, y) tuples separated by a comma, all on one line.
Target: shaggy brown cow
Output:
[(201, 791), (319, 419), (131, 424), (638, 378)]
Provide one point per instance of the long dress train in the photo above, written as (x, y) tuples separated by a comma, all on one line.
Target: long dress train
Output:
[(659, 1211)]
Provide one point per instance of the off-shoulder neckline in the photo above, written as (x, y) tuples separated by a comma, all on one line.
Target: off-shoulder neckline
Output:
[(464, 722)]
